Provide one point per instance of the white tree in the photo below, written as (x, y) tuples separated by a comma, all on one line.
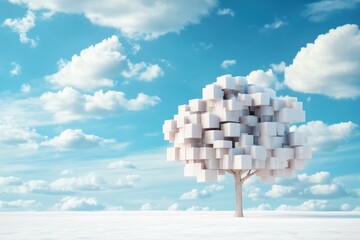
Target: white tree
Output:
[(238, 128)]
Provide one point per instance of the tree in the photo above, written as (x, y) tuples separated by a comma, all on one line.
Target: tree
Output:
[(238, 128)]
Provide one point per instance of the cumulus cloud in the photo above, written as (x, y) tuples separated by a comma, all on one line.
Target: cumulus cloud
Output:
[(143, 72), (279, 191), (10, 181), (175, 207), (264, 79), (147, 207), (227, 63), (69, 104), (128, 181), (318, 178), (225, 11), (319, 11), (278, 68), (74, 139), (261, 207), (92, 68), (16, 69), (88, 182), (328, 190), (120, 165), (345, 207), (136, 18), (310, 205), (22, 26), (79, 204), (25, 88), (323, 137), (325, 68), (198, 208), (15, 135), (196, 193), (19, 204)]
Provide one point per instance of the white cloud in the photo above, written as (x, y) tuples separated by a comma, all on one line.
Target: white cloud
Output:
[(227, 63), (25, 88), (318, 11), (279, 191), (92, 68), (252, 192), (147, 207), (16, 69), (120, 165), (22, 26), (277, 23), (318, 178), (311, 205), (278, 68), (143, 72), (332, 189), (10, 181), (345, 207), (89, 182), (136, 48), (198, 208), (69, 104), (74, 139), (128, 181), (261, 207), (357, 209), (79, 204), (264, 79), (325, 68), (196, 193), (175, 207), (15, 135), (225, 11), (18, 204), (323, 137), (137, 18)]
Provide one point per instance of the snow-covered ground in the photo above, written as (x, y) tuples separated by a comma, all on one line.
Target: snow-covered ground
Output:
[(179, 225)]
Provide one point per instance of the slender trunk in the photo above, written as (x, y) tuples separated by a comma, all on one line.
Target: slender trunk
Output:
[(238, 191)]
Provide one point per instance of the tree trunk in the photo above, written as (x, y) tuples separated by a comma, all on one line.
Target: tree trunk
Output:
[(238, 191)]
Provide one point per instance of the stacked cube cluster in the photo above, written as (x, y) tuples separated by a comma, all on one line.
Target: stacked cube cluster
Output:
[(237, 126)]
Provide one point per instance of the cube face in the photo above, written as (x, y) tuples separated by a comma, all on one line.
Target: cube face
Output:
[(242, 162), (231, 129), (197, 105), (193, 130), (210, 121), (237, 126)]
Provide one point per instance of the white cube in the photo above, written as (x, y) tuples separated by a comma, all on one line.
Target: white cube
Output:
[(192, 130), (207, 175), (207, 153), (258, 152), (212, 135), (222, 144), (192, 153), (212, 91), (303, 152), (209, 120), (249, 120), (231, 129), (268, 128), (284, 153), (296, 139), (260, 98), (242, 162), (226, 82), (197, 105), (233, 104)]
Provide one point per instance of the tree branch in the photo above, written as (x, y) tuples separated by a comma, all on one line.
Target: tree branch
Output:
[(248, 175), (232, 172)]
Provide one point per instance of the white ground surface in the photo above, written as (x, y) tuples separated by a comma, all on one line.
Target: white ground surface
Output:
[(179, 225)]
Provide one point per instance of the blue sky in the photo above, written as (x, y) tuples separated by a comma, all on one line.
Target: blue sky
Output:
[(86, 86)]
